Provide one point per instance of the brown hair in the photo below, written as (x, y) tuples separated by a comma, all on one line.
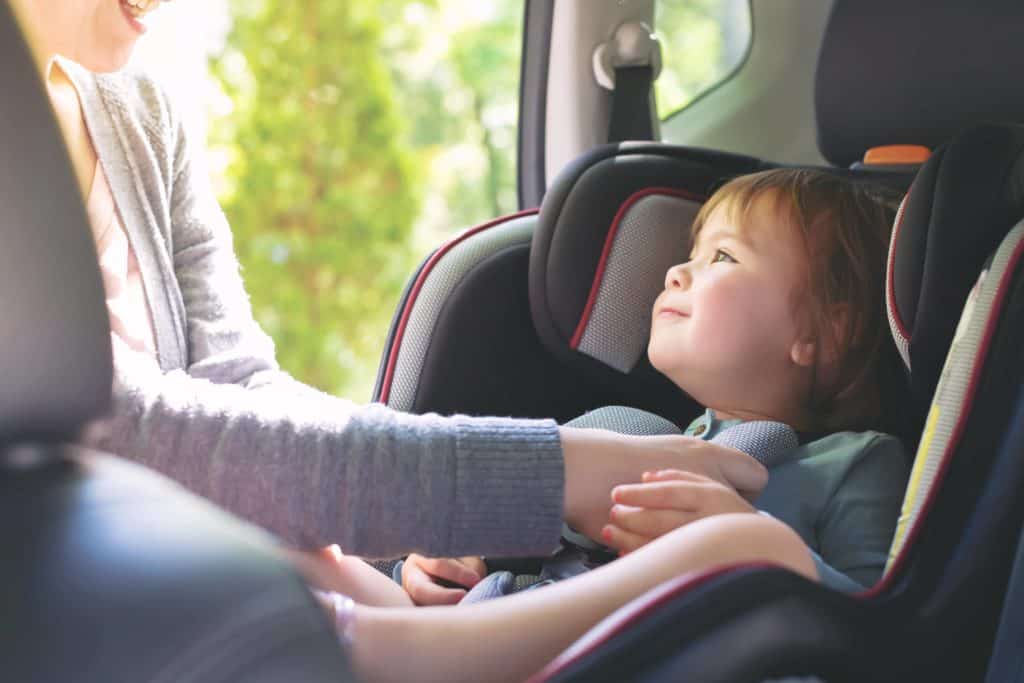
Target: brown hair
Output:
[(844, 228)]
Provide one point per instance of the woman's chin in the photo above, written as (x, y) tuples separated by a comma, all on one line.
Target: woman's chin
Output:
[(109, 62)]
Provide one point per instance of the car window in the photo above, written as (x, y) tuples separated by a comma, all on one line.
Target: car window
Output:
[(703, 43), (345, 140)]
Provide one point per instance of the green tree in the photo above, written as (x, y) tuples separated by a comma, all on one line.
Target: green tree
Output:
[(461, 103), (702, 41), (320, 190)]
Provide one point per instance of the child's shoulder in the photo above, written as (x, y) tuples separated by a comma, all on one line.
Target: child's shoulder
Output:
[(843, 450)]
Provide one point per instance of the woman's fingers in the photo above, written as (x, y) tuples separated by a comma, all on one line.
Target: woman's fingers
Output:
[(649, 522), (622, 540), (674, 475)]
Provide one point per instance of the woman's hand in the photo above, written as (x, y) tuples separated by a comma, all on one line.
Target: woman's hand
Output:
[(665, 501), (596, 461), (422, 577)]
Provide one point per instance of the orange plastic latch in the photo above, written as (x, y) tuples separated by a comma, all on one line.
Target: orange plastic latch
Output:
[(896, 154)]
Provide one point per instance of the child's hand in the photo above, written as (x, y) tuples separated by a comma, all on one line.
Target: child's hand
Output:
[(598, 460), (422, 578), (331, 570), (665, 501)]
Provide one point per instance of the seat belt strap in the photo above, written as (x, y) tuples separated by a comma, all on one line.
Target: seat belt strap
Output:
[(627, 65), (631, 115)]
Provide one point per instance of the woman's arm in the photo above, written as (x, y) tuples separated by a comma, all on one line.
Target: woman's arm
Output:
[(313, 468), (316, 469)]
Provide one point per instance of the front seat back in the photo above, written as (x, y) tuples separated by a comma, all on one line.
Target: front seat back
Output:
[(109, 572)]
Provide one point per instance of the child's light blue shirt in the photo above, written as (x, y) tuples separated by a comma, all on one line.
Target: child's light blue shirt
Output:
[(841, 493)]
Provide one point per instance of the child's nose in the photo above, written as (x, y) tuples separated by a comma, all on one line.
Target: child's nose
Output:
[(677, 277)]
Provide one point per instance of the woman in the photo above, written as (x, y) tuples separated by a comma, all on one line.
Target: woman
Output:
[(200, 397)]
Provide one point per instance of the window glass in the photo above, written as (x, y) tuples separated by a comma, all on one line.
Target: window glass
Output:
[(345, 140), (702, 43)]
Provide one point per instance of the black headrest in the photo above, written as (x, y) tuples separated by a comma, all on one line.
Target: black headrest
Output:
[(916, 72), (55, 347), (610, 226), (964, 201)]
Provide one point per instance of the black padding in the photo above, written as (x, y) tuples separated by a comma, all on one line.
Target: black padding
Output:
[(113, 573), (962, 204), (770, 622), (916, 72), (485, 357), (55, 348)]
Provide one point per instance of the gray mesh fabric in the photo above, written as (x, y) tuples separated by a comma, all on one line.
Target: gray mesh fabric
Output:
[(951, 395), (902, 343), (766, 441), (625, 420), (652, 236), (446, 275)]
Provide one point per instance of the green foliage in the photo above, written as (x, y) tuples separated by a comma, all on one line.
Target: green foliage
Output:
[(461, 103), (321, 192), (364, 133), (702, 41)]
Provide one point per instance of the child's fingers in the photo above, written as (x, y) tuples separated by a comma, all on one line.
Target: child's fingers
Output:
[(649, 522), (622, 540), (421, 588), (676, 495), (450, 570), (674, 475)]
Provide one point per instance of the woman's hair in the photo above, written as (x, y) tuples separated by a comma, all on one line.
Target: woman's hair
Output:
[(845, 229)]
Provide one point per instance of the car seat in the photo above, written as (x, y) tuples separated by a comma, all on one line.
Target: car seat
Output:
[(109, 572), (934, 614), (950, 570)]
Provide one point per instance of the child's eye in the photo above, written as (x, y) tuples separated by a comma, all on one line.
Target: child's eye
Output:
[(722, 257)]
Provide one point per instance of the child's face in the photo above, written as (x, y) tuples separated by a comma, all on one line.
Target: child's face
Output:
[(725, 329)]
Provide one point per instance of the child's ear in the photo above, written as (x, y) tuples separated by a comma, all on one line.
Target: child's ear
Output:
[(804, 352), (823, 352)]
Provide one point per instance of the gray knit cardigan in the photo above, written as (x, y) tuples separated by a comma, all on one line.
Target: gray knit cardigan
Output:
[(222, 418)]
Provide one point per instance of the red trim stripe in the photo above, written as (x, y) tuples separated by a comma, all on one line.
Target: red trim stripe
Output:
[(628, 615), (954, 440), (595, 286), (396, 343)]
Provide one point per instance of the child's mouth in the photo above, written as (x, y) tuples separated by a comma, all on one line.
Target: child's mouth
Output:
[(672, 313)]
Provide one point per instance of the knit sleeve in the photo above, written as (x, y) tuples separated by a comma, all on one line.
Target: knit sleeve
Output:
[(314, 468)]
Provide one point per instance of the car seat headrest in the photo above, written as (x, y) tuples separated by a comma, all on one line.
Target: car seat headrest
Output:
[(915, 72), (610, 226), (55, 353), (960, 206)]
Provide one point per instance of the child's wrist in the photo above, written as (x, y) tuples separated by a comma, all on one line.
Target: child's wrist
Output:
[(342, 610)]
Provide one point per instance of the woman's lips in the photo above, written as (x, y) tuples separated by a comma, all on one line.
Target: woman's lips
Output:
[(135, 11)]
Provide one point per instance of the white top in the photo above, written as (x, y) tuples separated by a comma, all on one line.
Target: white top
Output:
[(130, 318)]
